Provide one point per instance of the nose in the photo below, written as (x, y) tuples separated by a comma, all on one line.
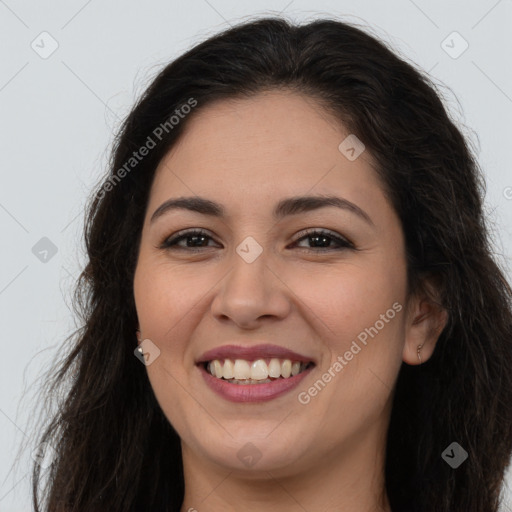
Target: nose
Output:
[(251, 293)]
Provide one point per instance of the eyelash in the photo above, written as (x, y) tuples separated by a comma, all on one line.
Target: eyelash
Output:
[(170, 242)]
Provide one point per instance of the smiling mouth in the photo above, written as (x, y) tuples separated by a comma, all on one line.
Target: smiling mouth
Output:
[(259, 371)]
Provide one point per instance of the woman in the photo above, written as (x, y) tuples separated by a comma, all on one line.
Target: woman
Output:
[(291, 242)]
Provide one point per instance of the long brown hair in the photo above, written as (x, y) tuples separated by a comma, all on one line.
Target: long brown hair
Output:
[(116, 451)]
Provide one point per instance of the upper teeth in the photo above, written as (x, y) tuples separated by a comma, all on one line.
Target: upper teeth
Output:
[(255, 370)]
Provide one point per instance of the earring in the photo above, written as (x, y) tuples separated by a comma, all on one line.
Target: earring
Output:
[(139, 348), (419, 352)]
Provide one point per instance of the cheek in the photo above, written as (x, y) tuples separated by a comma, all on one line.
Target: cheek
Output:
[(346, 299), (358, 314), (165, 306), (164, 295), (170, 302), (159, 309)]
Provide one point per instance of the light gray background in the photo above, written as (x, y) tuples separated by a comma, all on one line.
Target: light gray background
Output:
[(58, 116)]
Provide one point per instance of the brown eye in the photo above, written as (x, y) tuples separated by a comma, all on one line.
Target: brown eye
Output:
[(322, 239), (194, 239)]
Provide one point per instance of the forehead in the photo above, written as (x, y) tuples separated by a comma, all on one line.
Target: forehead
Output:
[(273, 144)]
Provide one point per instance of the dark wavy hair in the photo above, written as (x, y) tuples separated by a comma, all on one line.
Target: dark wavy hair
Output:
[(115, 449)]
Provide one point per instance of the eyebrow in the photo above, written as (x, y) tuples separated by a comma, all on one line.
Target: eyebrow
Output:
[(285, 207)]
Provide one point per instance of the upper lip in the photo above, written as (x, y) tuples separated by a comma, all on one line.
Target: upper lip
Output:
[(250, 353)]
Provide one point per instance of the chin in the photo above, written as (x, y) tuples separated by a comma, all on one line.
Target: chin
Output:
[(252, 455)]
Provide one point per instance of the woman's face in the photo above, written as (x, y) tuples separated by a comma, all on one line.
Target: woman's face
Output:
[(254, 285)]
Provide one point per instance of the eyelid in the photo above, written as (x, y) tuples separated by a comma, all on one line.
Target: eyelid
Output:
[(183, 233), (324, 231)]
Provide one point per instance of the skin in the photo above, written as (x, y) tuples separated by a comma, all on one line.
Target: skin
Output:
[(327, 454)]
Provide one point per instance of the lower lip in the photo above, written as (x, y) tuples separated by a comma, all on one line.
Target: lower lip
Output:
[(252, 392)]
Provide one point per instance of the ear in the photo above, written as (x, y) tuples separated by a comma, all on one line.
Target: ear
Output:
[(425, 321)]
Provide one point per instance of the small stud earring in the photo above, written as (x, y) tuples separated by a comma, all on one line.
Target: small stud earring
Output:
[(419, 352)]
